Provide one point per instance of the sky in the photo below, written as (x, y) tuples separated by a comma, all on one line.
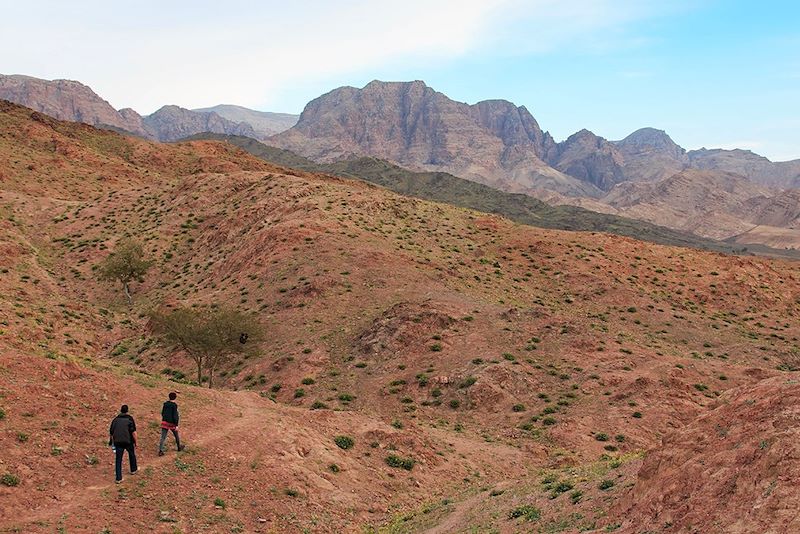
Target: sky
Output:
[(712, 73)]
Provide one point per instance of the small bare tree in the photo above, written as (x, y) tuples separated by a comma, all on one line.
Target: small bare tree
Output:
[(209, 337), (182, 329), (126, 264)]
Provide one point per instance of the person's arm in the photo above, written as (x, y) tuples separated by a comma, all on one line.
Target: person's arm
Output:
[(133, 431), (177, 416), (111, 433)]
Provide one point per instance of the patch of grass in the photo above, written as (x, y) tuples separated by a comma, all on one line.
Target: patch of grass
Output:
[(527, 511)]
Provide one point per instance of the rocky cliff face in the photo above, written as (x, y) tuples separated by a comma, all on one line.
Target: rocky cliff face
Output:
[(68, 100), (590, 158), (408, 123)]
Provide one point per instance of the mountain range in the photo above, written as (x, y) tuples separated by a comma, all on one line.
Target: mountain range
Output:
[(498, 143), (719, 194), (73, 101)]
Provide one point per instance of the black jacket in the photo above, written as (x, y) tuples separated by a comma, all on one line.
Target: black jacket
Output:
[(169, 413), (122, 428)]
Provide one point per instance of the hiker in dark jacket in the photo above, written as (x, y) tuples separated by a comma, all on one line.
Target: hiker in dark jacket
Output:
[(169, 421), (123, 438)]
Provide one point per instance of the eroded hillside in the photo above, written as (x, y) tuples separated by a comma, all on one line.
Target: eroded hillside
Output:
[(519, 374)]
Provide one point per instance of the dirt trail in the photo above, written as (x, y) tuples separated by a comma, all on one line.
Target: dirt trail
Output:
[(252, 412)]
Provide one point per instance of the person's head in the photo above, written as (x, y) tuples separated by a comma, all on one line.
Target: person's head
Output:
[(173, 395), (124, 409)]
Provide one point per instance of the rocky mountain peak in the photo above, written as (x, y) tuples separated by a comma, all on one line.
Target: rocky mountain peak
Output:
[(648, 139)]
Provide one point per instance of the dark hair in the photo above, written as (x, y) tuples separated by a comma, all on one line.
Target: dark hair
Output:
[(173, 396), (124, 409)]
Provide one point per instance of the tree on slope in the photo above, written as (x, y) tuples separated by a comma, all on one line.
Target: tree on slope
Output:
[(126, 265), (209, 337)]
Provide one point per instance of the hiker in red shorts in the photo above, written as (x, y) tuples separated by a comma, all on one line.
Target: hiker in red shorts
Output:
[(169, 421)]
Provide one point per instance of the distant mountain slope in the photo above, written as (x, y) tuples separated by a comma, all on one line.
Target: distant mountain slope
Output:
[(73, 101), (758, 169), (713, 204), (492, 142), (264, 123), (68, 100), (521, 208), (171, 123)]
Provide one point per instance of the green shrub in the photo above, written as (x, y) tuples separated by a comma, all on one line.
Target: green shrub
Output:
[(526, 511), (344, 442), (219, 502), (436, 347), (602, 436), (467, 382), (518, 408), (307, 381), (455, 403), (606, 484), (10, 480), (396, 461)]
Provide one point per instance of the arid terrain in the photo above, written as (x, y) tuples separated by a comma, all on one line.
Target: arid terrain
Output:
[(492, 376)]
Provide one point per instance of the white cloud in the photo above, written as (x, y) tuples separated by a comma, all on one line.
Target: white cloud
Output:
[(198, 53)]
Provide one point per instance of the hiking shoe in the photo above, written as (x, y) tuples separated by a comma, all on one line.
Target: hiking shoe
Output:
[(181, 448), (161, 453), (134, 472), (118, 481)]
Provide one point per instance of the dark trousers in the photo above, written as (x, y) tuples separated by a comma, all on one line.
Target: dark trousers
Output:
[(121, 448), (164, 439)]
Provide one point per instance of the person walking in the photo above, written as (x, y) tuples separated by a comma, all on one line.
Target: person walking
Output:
[(122, 436), (169, 421)]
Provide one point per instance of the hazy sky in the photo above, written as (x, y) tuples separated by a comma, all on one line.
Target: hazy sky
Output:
[(714, 73)]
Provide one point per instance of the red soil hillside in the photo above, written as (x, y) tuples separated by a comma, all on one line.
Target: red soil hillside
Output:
[(734, 469), (522, 370)]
